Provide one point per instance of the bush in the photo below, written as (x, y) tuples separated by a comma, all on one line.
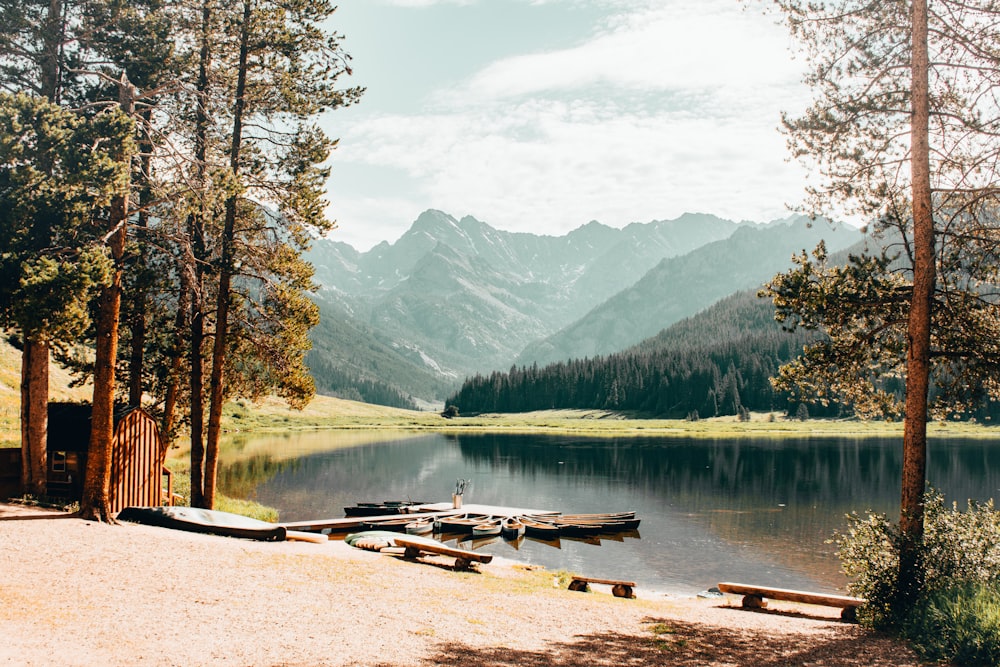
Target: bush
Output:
[(959, 549), (960, 625)]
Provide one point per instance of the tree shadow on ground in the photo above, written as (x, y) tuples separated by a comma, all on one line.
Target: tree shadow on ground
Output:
[(685, 644)]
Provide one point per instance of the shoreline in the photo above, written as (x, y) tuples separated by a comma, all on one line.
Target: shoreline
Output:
[(82, 593)]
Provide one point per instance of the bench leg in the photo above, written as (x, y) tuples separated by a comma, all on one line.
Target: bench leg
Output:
[(754, 602), (577, 585), (462, 563), (622, 591), (411, 553), (849, 614)]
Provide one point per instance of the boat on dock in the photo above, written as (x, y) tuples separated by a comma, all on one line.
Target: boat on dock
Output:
[(511, 528), (397, 525), (382, 508), (420, 527), (488, 528), (534, 527), (462, 523)]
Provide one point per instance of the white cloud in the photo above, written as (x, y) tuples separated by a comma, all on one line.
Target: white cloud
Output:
[(663, 111), (657, 50), (426, 3)]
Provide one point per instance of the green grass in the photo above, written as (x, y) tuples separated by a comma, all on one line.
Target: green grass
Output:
[(959, 625), (332, 413)]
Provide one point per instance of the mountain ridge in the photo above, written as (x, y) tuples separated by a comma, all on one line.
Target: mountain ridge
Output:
[(452, 297)]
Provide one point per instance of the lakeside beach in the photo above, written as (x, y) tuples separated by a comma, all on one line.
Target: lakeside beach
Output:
[(81, 593)]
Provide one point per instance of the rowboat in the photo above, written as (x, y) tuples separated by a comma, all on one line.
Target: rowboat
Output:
[(397, 525), (377, 509), (459, 524), (535, 528), (598, 525), (420, 527), (488, 528), (213, 522), (610, 516), (511, 528)]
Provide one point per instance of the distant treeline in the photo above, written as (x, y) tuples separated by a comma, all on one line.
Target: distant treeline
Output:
[(333, 381), (719, 363)]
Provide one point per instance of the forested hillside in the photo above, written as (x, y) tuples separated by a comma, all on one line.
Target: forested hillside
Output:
[(716, 363)]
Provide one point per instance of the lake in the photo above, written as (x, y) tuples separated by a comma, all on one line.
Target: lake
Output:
[(753, 510)]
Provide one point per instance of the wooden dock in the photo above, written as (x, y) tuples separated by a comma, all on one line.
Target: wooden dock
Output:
[(432, 510)]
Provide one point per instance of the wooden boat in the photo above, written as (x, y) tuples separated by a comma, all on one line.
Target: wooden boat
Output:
[(567, 529), (212, 522), (604, 522), (610, 516), (511, 528), (382, 508), (420, 527), (397, 525), (600, 526), (488, 528), (463, 523), (534, 527)]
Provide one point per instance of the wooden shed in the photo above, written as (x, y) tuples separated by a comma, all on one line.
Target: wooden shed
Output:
[(137, 473)]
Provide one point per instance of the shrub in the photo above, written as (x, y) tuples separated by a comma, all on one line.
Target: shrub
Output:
[(959, 549), (960, 624)]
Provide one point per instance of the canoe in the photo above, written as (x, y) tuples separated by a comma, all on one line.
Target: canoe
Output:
[(395, 524), (609, 516), (488, 528), (212, 522), (459, 524), (511, 528), (420, 527), (384, 507), (536, 528), (596, 525)]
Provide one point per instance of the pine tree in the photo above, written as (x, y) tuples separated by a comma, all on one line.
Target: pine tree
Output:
[(902, 130)]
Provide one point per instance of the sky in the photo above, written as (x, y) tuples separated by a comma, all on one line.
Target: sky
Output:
[(542, 115)]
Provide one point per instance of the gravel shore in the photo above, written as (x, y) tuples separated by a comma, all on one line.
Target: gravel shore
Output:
[(74, 592)]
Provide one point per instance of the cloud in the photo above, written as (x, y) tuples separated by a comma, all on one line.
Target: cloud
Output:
[(655, 50), (426, 3), (660, 112)]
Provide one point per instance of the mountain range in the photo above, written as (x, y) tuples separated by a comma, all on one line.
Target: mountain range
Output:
[(452, 298)]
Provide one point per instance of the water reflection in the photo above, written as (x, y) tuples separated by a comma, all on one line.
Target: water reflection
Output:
[(712, 510)]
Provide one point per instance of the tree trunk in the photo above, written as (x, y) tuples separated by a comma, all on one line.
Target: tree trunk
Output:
[(177, 352), (96, 501), (919, 324), (196, 235), (218, 392), (35, 355), (34, 416), (137, 323)]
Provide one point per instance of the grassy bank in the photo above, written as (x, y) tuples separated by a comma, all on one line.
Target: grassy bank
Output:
[(331, 413)]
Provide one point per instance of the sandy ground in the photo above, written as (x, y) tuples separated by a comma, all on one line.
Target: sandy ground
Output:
[(79, 593)]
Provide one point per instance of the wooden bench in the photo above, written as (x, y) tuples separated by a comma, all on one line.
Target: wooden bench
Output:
[(754, 598), (463, 558), (620, 589)]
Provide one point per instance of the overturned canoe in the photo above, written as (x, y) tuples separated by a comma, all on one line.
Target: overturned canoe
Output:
[(212, 522)]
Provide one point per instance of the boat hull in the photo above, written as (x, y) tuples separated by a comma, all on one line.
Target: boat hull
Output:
[(212, 522)]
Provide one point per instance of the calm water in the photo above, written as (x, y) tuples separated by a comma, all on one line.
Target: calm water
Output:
[(712, 510)]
